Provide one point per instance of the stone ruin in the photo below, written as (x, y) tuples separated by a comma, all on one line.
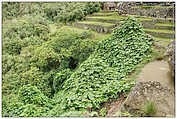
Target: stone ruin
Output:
[(110, 6), (152, 91), (170, 57)]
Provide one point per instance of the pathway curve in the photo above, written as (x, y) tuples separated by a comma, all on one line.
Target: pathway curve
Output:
[(153, 71), (157, 71)]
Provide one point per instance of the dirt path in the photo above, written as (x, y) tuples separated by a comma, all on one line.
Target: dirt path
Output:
[(157, 71), (153, 71)]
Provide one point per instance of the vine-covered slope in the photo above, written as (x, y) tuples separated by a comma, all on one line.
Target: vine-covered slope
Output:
[(102, 75)]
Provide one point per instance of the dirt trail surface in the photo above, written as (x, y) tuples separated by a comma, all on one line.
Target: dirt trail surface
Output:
[(157, 71), (153, 71)]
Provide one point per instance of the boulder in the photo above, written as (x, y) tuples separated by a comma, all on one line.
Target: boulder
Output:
[(170, 57), (151, 92)]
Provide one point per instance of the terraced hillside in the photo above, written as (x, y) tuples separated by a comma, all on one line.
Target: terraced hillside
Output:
[(163, 30)]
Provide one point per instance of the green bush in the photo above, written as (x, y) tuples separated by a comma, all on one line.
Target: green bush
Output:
[(45, 58), (65, 49), (36, 58), (69, 12), (10, 9), (17, 9), (27, 30), (12, 47), (29, 94), (60, 11), (8, 61), (59, 78), (28, 110), (103, 111), (37, 78)]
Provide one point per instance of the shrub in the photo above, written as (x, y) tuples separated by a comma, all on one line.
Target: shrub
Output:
[(45, 58), (28, 110), (12, 47), (29, 94), (69, 12), (65, 48), (16, 9), (37, 78), (59, 78), (103, 111), (8, 61)]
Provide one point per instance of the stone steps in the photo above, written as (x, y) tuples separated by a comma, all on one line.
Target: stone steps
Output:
[(108, 29), (104, 14), (96, 22), (97, 28), (152, 25), (161, 35), (103, 11), (102, 20)]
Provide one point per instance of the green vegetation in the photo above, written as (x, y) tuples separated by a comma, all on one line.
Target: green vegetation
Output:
[(144, 19), (53, 70), (102, 75), (164, 24), (150, 109), (109, 17), (61, 11), (34, 55), (108, 13), (103, 112), (114, 16), (160, 30), (163, 41), (96, 23)]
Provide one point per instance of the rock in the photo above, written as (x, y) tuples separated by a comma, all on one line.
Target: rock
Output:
[(151, 91), (170, 56), (86, 28)]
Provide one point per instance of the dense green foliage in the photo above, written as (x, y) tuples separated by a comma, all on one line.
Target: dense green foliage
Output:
[(38, 58), (61, 11), (102, 75), (64, 72)]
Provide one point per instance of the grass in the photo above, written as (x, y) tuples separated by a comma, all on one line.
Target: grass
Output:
[(150, 109), (164, 24), (159, 30), (97, 23), (108, 17), (95, 35), (163, 39), (144, 18), (116, 17), (101, 13), (103, 112)]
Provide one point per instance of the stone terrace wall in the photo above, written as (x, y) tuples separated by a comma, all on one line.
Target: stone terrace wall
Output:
[(153, 12), (133, 8)]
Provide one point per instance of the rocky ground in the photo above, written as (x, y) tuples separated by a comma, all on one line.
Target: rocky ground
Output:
[(150, 92)]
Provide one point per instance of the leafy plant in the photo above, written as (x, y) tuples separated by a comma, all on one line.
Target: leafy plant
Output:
[(150, 109), (29, 94), (59, 78), (102, 75), (103, 111)]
